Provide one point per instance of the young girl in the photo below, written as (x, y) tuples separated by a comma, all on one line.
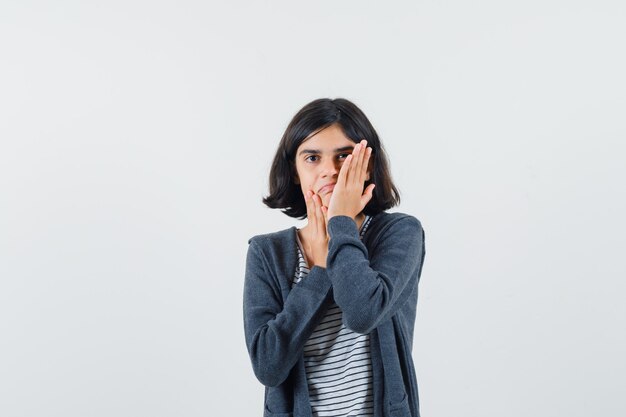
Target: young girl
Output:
[(329, 309)]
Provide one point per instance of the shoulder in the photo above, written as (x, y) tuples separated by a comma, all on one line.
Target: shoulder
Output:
[(396, 228), (395, 233), (275, 244), (279, 236), (275, 253), (385, 221)]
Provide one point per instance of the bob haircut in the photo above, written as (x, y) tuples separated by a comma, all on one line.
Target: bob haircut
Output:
[(285, 194)]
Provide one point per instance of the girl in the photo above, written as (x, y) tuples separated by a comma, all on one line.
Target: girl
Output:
[(329, 309)]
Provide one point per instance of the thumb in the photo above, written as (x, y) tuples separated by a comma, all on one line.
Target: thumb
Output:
[(367, 195)]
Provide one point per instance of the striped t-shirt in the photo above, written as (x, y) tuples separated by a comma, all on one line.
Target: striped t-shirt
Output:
[(337, 360)]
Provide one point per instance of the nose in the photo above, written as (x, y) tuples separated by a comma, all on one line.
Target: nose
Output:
[(330, 167)]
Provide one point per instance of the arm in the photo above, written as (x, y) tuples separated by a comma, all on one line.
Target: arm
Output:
[(276, 333), (368, 291)]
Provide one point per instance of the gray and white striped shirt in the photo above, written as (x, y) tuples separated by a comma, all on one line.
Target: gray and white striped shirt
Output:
[(337, 360)]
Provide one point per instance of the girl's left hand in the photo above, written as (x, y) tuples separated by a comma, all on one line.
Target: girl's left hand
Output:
[(348, 197)]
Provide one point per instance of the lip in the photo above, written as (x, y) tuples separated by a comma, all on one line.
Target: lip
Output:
[(326, 189)]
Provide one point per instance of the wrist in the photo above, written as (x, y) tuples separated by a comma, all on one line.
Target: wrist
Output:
[(339, 214), (342, 225)]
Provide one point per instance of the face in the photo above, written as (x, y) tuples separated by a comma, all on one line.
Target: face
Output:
[(319, 159)]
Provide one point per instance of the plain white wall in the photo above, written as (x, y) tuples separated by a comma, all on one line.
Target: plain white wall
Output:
[(135, 144)]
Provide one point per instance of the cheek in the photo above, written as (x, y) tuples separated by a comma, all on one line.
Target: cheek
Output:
[(305, 181)]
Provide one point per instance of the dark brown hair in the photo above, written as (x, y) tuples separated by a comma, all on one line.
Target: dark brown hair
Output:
[(285, 194)]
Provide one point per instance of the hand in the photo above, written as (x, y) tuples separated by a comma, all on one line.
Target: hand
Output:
[(349, 198), (316, 240)]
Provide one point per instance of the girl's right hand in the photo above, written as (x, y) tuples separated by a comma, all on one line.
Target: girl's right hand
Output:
[(316, 244)]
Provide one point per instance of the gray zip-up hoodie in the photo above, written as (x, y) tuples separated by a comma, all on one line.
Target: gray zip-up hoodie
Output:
[(374, 282)]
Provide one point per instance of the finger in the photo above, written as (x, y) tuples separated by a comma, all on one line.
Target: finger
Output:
[(319, 216), (357, 154), (362, 161), (343, 172), (364, 166), (310, 207), (358, 181), (325, 212), (321, 220)]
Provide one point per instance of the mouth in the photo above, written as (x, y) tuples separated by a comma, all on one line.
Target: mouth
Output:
[(326, 189)]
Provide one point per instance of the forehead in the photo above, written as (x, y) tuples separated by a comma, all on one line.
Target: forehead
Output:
[(329, 138)]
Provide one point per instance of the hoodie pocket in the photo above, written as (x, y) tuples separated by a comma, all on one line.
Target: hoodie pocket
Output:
[(400, 409), (268, 413)]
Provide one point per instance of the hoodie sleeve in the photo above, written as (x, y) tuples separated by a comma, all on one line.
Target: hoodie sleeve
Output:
[(275, 332), (369, 288)]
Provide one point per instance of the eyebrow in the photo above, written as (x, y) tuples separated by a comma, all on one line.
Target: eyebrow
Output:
[(316, 151)]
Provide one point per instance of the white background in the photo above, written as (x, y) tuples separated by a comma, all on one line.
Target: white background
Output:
[(135, 144)]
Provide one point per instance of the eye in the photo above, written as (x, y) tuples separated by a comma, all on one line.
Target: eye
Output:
[(311, 158), (343, 155)]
